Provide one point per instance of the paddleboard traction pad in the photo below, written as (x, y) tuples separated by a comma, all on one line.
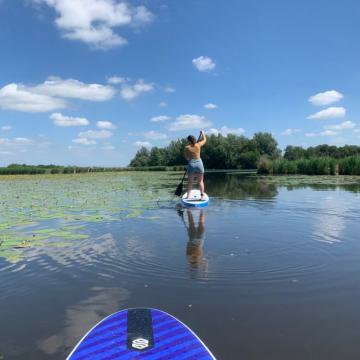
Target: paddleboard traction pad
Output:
[(140, 333)]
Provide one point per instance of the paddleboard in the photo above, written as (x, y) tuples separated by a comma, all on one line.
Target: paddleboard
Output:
[(140, 333), (195, 199)]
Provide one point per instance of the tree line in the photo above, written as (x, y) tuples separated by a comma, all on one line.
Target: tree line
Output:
[(220, 152), (260, 152)]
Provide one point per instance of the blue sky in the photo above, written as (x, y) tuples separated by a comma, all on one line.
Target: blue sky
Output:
[(87, 82)]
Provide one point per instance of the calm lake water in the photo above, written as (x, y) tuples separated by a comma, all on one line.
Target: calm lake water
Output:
[(265, 272)]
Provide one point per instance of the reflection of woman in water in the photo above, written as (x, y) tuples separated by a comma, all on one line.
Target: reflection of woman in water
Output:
[(194, 247)]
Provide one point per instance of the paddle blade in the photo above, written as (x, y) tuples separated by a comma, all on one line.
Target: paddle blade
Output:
[(179, 189)]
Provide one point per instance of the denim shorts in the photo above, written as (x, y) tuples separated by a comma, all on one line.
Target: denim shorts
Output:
[(195, 166)]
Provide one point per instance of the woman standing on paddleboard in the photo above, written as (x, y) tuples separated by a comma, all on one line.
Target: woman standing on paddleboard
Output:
[(195, 168)]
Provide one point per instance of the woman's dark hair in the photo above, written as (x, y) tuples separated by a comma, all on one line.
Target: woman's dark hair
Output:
[(191, 139)]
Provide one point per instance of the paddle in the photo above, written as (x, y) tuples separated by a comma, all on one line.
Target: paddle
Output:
[(179, 188)]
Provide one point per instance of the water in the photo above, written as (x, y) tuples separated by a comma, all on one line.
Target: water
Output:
[(265, 272)]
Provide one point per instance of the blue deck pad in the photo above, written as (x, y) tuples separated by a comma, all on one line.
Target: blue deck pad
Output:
[(140, 334), (195, 199)]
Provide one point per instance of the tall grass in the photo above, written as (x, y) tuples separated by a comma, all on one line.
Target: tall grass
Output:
[(312, 166)]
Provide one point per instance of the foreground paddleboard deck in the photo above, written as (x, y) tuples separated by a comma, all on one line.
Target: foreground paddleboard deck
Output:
[(195, 199), (140, 333)]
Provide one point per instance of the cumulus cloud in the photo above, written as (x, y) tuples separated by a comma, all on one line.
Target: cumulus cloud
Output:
[(130, 92), (162, 104), (18, 144), (342, 126), (50, 95), (95, 134), (160, 118), (204, 63), (328, 113), (18, 97), (94, 22), (65, 121), (115, 80), (326, 98), (6, 128), (154, 135), (105, 125), (328, 133), (143, 143), (289, 132), (189, 121), (322, 133), (225, 131), (84, 141), (75, 89), (210, 106)]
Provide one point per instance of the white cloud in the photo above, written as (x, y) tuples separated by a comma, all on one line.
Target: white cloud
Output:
[(225, 131), (326, 98), (328, 133), (160, 118), (19, 144), (49, 95), (95, 134), (154, 135), (94, 21), (105, 125), (18, 97), (23, 141), (210, 106), (162, 104), (189, 121), (84, 141), (342, 126), (130, 92), (329, 113), (169, 89), (203, 63), (115, 80), (143, 143), (75, 89), (65, 121), (322, 133), (289, 132), (6, 128)]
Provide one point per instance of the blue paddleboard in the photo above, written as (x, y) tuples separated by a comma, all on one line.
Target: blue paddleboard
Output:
[(195, 199), (140, 333)]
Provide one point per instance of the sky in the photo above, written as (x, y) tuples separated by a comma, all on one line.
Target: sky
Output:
[(88, 82)]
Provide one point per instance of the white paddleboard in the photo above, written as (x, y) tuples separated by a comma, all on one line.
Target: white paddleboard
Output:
[(195, 199)]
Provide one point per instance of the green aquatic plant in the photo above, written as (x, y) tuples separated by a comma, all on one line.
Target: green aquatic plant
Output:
[(53, 210)]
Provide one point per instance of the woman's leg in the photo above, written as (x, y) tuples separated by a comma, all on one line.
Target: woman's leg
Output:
[(189, 185), (201, 184)]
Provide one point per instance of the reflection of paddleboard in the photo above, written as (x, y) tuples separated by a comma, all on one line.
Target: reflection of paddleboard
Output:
[(140, 334), (195, 199)]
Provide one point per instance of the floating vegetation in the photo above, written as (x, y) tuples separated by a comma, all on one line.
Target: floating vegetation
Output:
[(43, 210)]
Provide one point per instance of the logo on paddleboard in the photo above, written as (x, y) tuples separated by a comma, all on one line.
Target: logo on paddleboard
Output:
[(140, 344)]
